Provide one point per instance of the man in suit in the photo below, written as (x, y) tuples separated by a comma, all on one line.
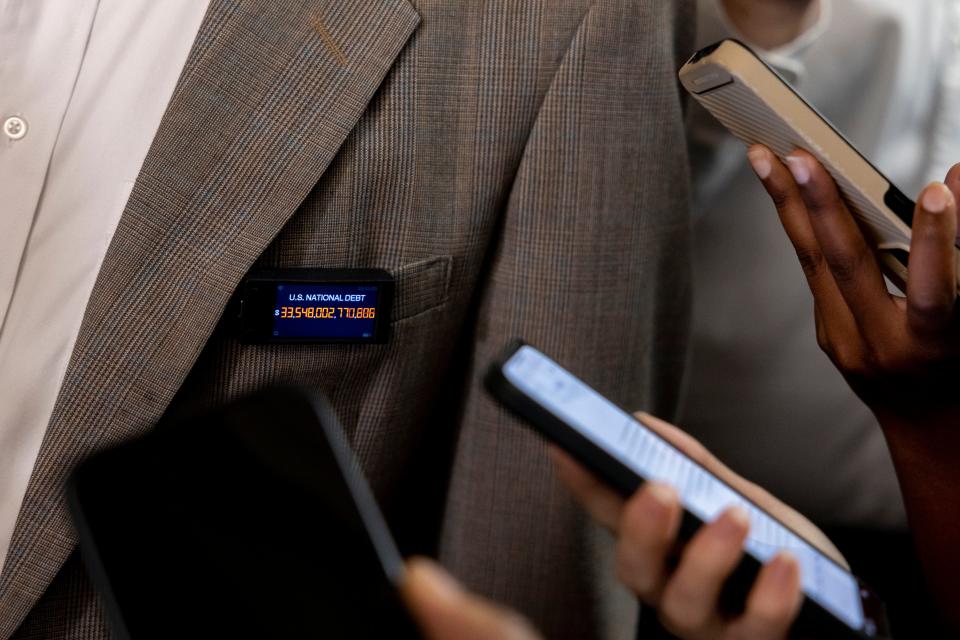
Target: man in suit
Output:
[(518, 167)]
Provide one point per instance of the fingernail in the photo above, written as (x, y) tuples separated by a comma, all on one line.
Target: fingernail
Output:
[(799, 168), (664, 497), (782, 569), (440, 583), (760, 160), (733, 523), (935, 198)]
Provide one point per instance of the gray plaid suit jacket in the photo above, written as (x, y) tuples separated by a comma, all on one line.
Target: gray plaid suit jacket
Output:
[(519, 165)]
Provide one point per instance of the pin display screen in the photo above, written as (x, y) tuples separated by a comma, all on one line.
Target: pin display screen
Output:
[(316, 306), (325, 311)]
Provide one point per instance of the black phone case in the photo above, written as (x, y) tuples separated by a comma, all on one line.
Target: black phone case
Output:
[(245, 575)]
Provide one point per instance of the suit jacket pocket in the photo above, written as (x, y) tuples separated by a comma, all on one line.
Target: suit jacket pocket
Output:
[(421, 286)]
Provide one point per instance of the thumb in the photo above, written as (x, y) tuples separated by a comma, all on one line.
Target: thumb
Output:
[(445, 611)]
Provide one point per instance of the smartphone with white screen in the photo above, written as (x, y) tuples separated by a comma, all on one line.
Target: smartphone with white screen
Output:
[(622, 451), (758, 106)]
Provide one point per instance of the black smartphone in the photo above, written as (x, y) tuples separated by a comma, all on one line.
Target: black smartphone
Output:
[(250, 521), (624, 452)]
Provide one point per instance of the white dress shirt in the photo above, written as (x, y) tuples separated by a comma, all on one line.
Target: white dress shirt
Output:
[(83, 86), (761, 394)]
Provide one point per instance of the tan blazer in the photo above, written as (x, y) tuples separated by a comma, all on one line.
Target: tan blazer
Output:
[(518, 165)]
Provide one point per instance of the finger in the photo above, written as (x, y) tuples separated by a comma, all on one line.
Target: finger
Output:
[(823, 337), (932, 275), (648, 532), (783, 190), (600, 501), (689, 605), (852, 262), (444, 611), (953, 183), (773, 603)]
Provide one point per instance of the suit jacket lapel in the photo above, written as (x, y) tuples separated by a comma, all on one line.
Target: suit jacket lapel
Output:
[(269, 93)]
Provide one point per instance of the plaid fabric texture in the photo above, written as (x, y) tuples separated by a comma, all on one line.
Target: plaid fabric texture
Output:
[(518, 165)]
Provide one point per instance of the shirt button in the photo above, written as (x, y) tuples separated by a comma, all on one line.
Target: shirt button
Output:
[(15, 127)]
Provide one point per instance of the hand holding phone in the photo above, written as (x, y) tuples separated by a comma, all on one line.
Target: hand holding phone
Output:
[(625, 452), (900, 355)]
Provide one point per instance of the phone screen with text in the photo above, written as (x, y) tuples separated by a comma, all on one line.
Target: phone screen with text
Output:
[(704, 495)]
